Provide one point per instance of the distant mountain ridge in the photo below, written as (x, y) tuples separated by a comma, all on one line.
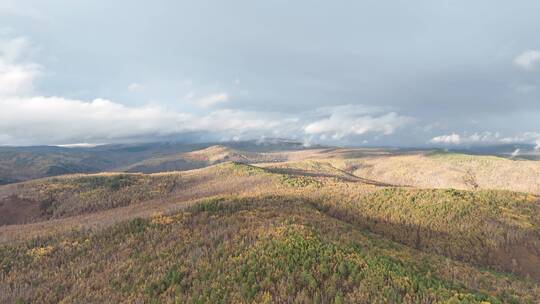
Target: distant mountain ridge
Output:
[(19, 164), (25, 163)]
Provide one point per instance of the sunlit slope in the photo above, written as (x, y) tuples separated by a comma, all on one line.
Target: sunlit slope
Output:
[(489, 228), (71, 195), (201, 158), (449, 170), (420, 169), (259, 250)]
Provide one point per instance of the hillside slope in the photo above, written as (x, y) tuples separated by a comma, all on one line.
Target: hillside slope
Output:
[(496, 229), (259, 250), (307, 229), (25, 163), (200, 159), (423, 169), (73, 195), (450, 170)]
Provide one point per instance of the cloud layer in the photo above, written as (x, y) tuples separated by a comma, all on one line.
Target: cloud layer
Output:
[(31, 114), (29, 118), (453, 139), (342, 121), (56, 120), (394, 81), (528, 60), (213, 99), (16, 78), (486, 138)]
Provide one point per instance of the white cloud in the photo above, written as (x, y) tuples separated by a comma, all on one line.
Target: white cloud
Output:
[(80, 145), (28, 118), (453, 139), (515, 153), (16, 78), (533, 137), (47, 120), (528, 60), (342, 121), (237, 122), (467, 138), (526, 137), (59, 120), (56, 120), (134, 87), (488, 138), (211, 100)]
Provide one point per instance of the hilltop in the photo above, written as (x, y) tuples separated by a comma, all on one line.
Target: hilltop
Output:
[(201, 158)]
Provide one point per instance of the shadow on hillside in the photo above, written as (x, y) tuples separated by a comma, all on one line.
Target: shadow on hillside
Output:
[(15, 210), (350, 153), (345, 176), (520, 257)]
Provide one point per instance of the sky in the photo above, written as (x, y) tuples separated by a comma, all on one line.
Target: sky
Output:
[(375, 73)]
